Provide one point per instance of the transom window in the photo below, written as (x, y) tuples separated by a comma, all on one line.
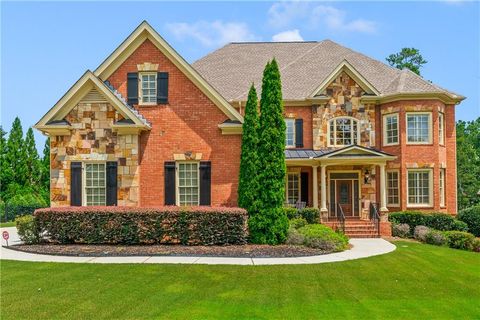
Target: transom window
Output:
[(441, 128), (293, 187), (343, 132), (392, 188), (148, 88), (390, 124), (419, 187), (442, 187), (290, 133), (419, 128), (95, 184), (188, 185)]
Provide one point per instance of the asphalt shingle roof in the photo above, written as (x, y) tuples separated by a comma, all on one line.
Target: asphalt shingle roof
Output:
[(303, 66)]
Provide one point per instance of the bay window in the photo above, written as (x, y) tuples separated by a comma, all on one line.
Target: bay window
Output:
[(419, 128)]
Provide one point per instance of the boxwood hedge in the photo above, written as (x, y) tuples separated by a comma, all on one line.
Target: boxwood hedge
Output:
[(159, 225)]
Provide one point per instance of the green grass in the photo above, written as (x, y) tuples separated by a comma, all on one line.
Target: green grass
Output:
[(416, 281), (7, 224)]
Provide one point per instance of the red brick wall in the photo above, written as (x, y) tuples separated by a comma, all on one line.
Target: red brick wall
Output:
[(306, 114), (431, 155), (189, 122)]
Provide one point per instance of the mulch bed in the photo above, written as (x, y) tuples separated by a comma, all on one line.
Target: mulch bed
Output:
[(247, 251)]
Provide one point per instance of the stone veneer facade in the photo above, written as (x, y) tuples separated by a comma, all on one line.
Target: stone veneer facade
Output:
[(92, 139)]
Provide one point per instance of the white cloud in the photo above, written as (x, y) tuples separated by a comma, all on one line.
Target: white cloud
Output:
[(211, 34), (289, 35), (313, 15)]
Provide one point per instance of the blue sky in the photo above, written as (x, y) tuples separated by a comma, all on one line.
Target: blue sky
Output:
[(46, 47)]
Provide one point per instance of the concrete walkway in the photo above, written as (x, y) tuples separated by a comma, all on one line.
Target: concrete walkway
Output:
[(362, 248)]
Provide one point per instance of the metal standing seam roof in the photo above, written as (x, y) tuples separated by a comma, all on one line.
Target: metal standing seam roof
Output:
[(310, 154), (303, 66)]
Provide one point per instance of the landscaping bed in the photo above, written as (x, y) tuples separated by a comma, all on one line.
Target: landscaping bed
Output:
[(247, 250)]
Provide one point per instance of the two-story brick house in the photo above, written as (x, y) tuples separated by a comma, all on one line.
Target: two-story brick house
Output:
[(147, 128)]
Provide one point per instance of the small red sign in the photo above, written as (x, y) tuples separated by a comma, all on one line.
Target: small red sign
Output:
[(5, 235)]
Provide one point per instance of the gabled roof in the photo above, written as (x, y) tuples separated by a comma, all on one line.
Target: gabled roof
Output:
[(304, 66), (54, 118), (136, 38)]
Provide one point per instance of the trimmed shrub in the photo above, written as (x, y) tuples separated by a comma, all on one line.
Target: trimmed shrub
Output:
[(471, 216), (442, 222), (322, 237), (27, 230), (412, 218), (297, 223), (435, 220), (460, 240), (312, 215), (476, 245), (435, 237), (460, 226), (420, 233), (294, 237), (401, 230), (127, 225)]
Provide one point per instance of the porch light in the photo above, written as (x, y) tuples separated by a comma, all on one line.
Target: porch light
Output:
[(367, 177)]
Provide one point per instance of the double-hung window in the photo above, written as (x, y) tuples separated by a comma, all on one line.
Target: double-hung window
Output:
[(441, 128), (343, 132), (393, 196), (95, 184), (390, 131), (293, 187), (148, 88), (442, 187), (290, 133), (188, 192), (419, 128), (419, 187)]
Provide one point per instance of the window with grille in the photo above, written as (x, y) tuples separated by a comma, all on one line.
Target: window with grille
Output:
[(442, 187), (418, 128), (419, 187), (95, 184), (290, 133), (343, 132), (188, 184), (293, 187), (148, 88), (441, 128), (390, 133), (393, 196)]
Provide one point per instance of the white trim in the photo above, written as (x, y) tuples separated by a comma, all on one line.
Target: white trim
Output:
[(441, 186), (429, 113), (84, 179), (140, 89), (430, 187), (355, 125), (385, 133), (441, 128), (299, 176), (292, 120), (328, 187), (398, 188), (177, 180)]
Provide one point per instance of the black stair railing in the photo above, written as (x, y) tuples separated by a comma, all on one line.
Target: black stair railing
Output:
[(375, 217), (341, 217)]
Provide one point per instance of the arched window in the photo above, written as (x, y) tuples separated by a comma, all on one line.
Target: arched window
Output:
[(343, 132)]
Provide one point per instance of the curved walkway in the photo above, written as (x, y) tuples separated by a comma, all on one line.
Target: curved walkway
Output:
[(362, 248)]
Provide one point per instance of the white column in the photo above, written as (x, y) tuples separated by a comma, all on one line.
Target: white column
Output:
[(323, 182), (383, 193), (315, 186)]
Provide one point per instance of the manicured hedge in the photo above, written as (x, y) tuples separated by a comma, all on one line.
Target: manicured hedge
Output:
[(126, 225), (471, 216), (437, 221)]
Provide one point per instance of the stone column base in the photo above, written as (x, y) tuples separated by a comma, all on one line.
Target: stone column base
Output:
[(385, 229)]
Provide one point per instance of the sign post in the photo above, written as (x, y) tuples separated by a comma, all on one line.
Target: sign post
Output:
[(6, 236)]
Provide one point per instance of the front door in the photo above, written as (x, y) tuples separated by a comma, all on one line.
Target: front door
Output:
[(344, 196)]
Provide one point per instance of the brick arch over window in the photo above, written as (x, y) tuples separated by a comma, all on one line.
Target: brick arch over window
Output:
[(343, 131)]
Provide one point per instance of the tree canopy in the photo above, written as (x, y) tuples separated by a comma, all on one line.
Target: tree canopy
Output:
[(468, 163), (409, 58)]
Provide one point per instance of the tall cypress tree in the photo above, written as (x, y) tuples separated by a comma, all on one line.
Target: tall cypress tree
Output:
[(270, 224), (15, 157), (32, 160), (248, 183)]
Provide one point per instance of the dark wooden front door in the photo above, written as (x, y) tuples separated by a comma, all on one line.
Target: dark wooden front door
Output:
[(344, 196)]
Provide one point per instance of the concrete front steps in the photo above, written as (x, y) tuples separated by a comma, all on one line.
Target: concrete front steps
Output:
[(356, 228)]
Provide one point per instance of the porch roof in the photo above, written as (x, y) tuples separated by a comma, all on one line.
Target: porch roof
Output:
[(312, 154)]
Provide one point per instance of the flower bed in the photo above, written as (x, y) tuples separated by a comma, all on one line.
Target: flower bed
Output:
[(127, 225)]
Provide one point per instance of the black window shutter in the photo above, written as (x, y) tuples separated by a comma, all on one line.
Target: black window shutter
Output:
[(170, 184), (76, 184), (205, 183), (132, 88), (112, 183), (304, 186), (162, 88), (299, 133)]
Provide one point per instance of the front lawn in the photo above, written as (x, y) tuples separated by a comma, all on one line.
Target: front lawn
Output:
[(417, 281), (7, 224)]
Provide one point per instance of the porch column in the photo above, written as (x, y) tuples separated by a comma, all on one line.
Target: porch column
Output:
[(323, 181), (383, 194), (315, 186)]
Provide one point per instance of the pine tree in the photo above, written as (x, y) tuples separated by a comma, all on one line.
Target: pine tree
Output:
[(15, 157), (3, 167), (270, 223), (248, 182), (45, 171), (32, 160)]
